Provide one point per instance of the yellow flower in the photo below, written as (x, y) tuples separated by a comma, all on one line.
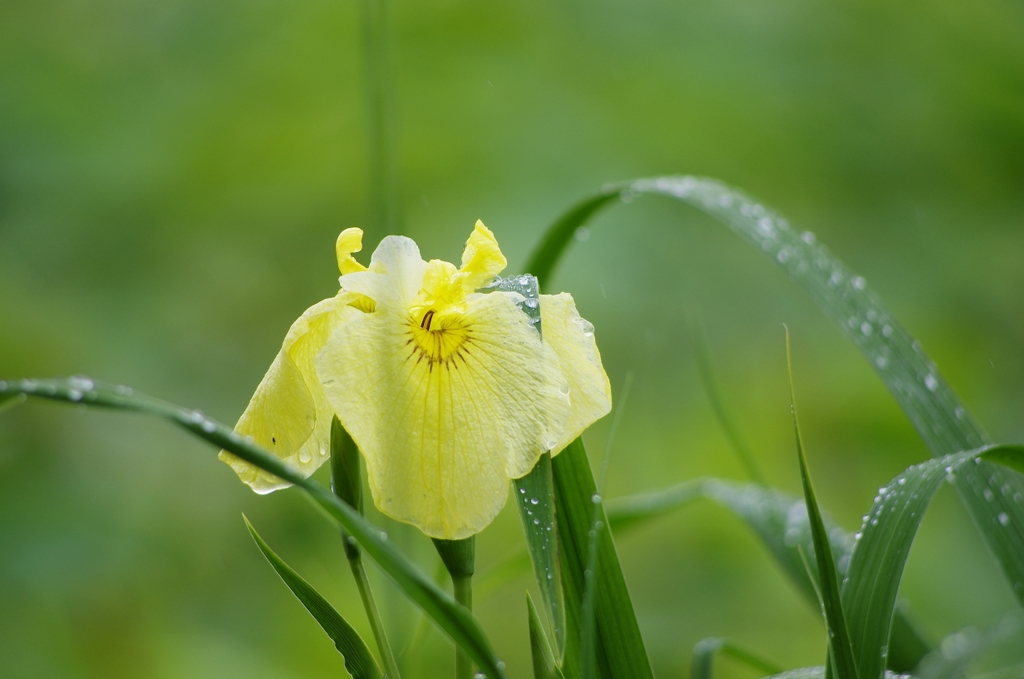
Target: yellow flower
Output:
[(448, 390)]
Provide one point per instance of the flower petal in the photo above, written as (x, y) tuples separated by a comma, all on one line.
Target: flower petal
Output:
[(442, 433), (395, 273), (349, 241), (572, 338), (481, 260), (289, 414)]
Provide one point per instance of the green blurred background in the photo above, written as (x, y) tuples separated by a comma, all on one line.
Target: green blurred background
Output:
[(173, 175)]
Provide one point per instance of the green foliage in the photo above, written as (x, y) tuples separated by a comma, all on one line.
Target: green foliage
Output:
[(358, 660), (706, 649), (535, 495), (544, 665), (841, 653), (620, 651), (914, 381), (450, 617)]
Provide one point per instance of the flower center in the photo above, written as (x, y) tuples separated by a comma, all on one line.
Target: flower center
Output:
[(439, 337)]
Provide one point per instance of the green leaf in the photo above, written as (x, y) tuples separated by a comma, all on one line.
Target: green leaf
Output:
[(620, 650), (544, 665), (451, 617), (780, 521), (588, 614), (914, 381), (358, 660), (535, 495), (883, 546), (346, 475), (706, 649), (535, 491), (840, 647), (11, 400)]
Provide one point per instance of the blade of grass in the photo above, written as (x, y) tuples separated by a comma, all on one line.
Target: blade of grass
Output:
[(620, 651), (706, 649), (535, 492), (11, 400), (914, 381), (452, 618), (707, 379), (883, 545), (544, 666), (780, 521), (840, 645), (358, 660), (535, 495)]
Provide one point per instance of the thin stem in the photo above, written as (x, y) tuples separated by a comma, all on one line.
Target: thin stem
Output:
[(376, 624), (464, 595), (379, 116)]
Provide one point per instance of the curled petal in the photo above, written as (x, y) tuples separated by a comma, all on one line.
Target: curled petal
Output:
[(289, 414), (349, 241), (481, 260), (572, 338)]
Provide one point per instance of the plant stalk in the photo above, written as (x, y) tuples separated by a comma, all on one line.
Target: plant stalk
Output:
[(376, 624)]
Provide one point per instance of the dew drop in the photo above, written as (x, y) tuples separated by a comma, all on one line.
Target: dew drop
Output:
[(208, 426), (595, 498), (859, 283), (808, 237), (534, 500), (882, 362), (536, 522), (931, 382), (582, 233), (887, 330), (865, 328), (988, 494), (902, 481), (1004, 519), (532, 303), (523, 491), (3, 386), (75, 395)]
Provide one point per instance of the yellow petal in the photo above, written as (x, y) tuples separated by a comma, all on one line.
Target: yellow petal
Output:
[(572, 338), (445, 416), (395, 273), (289, 414), (350, 240), (481, 260)]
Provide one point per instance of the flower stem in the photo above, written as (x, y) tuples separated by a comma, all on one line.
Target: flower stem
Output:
[(464, 595), (459, 557), (376, 624)]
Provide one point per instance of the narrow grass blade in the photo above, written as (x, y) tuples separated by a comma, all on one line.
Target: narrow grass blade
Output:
[(883, 546), (722, 414), (840, 646), (11, 400), (620, 650), (588, 614), (535, 494), (453, 619), (914, 381), (358, 660), (706, 649), (780, 521), (544, 666)]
